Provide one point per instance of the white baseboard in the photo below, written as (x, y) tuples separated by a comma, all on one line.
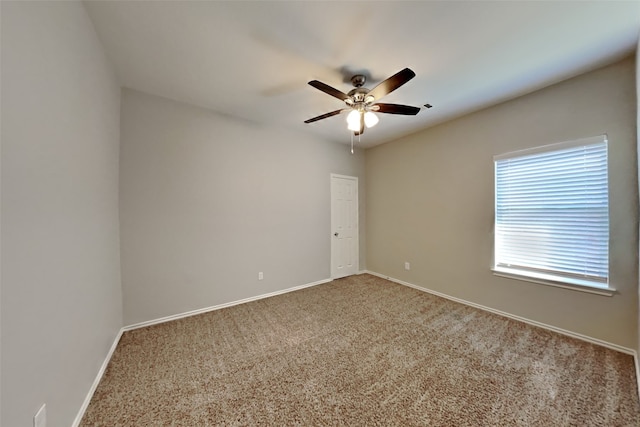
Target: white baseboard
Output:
[(219, 306), (512, 316), (96, 381)]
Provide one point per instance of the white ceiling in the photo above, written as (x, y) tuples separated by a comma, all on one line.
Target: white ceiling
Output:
[(252, 60)]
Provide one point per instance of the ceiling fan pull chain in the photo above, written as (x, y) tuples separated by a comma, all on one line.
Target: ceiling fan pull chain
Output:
[(351, 143)]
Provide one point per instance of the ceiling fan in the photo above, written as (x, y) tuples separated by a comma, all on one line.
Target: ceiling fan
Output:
[(361, 102)]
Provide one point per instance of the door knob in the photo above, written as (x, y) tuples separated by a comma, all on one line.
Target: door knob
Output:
[(335, 234)]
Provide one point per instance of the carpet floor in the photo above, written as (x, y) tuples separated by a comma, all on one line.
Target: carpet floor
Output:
[(360, 351)]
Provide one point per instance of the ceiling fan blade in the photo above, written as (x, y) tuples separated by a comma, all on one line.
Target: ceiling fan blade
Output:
[(392, 83), (406, 110), (324, 116), (329, 90)]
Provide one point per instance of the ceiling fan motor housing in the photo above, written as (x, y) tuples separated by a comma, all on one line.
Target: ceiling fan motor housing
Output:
[(358, 96)]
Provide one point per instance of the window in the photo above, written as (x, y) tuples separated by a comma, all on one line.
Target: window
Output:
[(552, 214)]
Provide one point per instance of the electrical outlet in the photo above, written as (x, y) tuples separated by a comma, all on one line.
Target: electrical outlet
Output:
[(40, 419), (260, 275), (407, 266)]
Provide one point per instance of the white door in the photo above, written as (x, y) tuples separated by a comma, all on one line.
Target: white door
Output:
[(344, 225)]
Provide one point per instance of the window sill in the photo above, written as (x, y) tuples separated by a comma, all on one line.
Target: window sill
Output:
[(592, 289)]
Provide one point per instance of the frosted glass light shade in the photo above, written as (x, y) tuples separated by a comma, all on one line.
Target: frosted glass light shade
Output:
[(370, 119), (353, 120)]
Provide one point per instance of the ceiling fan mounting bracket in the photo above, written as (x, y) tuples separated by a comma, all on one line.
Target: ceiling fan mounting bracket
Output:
[(359, 80)]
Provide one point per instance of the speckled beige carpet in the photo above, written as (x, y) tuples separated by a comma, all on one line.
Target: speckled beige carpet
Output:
[(360, 351)]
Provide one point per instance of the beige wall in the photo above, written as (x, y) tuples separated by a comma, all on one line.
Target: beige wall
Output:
[(208, 201), (430, 202), (61, 295), (638, 150)]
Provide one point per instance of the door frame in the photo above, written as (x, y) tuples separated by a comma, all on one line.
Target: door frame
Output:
[(357, 223)]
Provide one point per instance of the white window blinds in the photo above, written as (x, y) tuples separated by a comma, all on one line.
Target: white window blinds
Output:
[(552, 212)]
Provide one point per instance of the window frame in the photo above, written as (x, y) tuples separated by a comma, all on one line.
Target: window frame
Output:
[(547, 278)]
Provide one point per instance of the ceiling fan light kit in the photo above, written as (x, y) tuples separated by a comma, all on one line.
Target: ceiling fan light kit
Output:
[(361, 102), (355, 117)]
